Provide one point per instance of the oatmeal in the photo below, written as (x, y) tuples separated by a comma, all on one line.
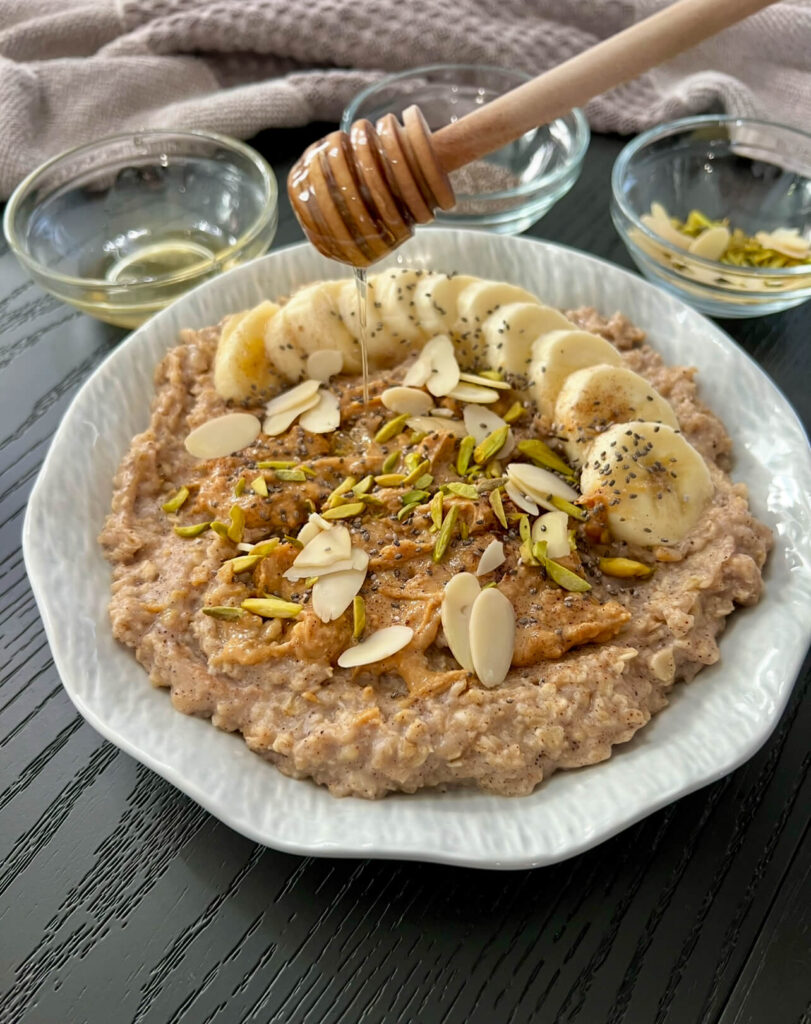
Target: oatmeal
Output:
[(437, 588)]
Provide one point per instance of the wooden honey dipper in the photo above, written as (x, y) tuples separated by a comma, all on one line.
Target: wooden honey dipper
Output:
[(358, 195)]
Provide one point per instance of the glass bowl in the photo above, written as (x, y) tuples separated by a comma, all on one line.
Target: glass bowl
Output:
[(122, 226), (509, 190), (753, 173)]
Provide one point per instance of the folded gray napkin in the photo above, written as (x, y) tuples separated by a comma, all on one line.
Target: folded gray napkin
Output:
[(75, 70)]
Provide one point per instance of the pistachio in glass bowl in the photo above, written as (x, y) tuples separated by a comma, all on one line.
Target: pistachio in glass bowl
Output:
[(718, 211)]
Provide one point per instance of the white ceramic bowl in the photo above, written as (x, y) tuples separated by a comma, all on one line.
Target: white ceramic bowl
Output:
[(711, 726)]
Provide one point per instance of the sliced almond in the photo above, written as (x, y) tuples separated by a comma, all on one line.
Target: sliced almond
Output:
[(378, 646), (307, 532), (481, 422), (436, 425), (327, 546), (407, 400), (492, 558), (457, 601), (787, 241), (659, 222), (293, 397), (520, 499), (418, 373), (464, 392), (444, 370), (492, 636), (324, 363), (278, 422), (539, 484), (333, 593), (357, 560), (223, 435), (485, 382), (553, 527), (711, 243), (324, 417), (442, 413)]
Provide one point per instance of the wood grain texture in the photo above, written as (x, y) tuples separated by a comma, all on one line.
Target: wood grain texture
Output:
[(121, 900)]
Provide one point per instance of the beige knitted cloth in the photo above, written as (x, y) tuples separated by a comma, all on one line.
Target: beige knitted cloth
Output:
[(74, 70)]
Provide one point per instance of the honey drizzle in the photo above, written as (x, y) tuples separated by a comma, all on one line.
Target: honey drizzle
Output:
[(361, 288)]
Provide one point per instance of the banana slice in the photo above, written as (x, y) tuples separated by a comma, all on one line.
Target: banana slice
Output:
[(307, 323), (654, 484), (509, 333), (392, 309), (242, 369), (595, 397), (435, 301), (559, 353)]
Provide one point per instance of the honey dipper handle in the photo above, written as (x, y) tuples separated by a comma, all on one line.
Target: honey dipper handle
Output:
[(581, 78)]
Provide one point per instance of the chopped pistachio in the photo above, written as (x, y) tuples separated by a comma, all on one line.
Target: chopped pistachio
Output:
[(243, 563), (220, 611), (346, 485), (417, 472), (491, 445), (392, 428), (464, 529), (237, 527), (407, 510), (306, 470), (271, 607), (358, 617), (423, 481), (466, 446), (542, 455), (494, 469), (575, 511), (498, 506), (391, 461), (344, 511), (625, 568), (176, 501), (311, 581), (412, 460), (275, 464), (436, 511), (259, 485), (292, 540), (515, 412), (492, 374), (415, 495), (264, 547), (539, 549), (565, 577), (524, 530), (221, 529), (389, 479), (239, 490), (445, 533), (362, 486), (192, 531), (462, 490), (417, 436), (290, 476), (370, 499), (487, 586)]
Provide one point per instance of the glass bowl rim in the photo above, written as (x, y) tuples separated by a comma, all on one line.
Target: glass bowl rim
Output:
[(266, 173), (582, 132), (670, 128)]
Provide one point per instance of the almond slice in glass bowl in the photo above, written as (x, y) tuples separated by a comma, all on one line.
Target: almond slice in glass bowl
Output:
[(379, 645), (223, 435)]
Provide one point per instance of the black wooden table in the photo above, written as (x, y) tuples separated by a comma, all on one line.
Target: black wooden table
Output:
[(122, 901)]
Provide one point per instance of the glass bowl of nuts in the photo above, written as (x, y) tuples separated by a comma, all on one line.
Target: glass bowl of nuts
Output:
[(717, 210)]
